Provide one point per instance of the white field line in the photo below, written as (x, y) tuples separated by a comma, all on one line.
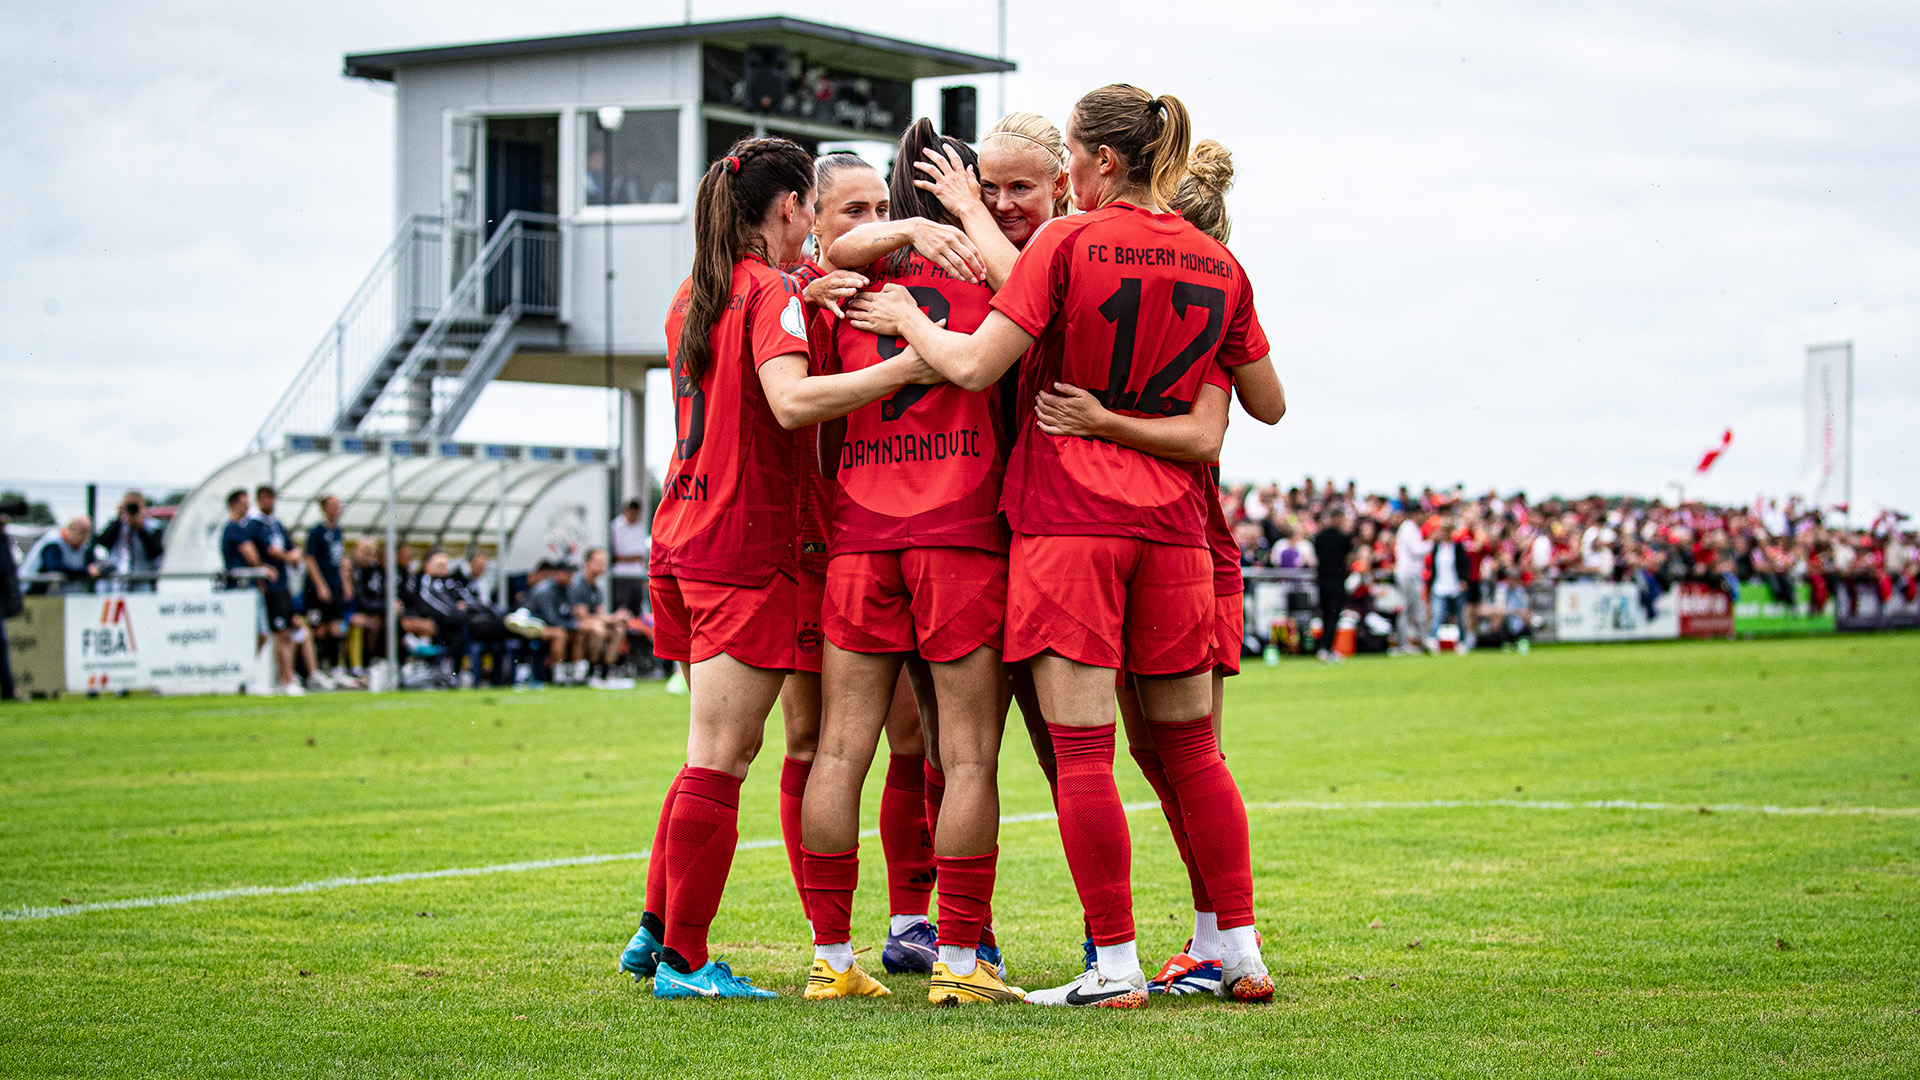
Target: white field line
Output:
[(23, 914)]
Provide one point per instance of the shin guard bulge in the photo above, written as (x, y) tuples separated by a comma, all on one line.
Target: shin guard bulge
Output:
[(966, 897), (701, 836), (656, 901), (1093, 830), (905, 837), (831, 880), (793, 788), (1156, 773), (1215, 815)]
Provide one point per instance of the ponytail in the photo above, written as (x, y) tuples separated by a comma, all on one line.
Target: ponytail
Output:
[(909, 201), (732, 201), (1168, 152), (1149, 134)]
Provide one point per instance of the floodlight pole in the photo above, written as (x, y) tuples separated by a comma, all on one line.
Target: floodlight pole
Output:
[(610, 117), (500, 543), (1002, 76)]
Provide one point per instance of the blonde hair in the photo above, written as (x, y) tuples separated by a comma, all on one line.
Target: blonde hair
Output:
[(1202, 198), (1037, 130), (1150, 134)]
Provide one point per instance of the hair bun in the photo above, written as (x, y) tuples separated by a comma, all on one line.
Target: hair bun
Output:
[(1211, 166)]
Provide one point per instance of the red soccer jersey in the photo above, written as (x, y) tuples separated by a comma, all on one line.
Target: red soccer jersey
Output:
[(1136, 308), (921, 468), (816, 501), (731, 504)]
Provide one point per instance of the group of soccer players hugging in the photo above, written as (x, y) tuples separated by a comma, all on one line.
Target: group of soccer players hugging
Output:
[(963, 454)]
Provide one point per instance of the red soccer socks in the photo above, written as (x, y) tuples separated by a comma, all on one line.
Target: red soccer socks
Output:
[(905, 837), (793, 788), (1156, 774), (1215, 816), (831, 880), (656, 901), (1093, 830), (936, 784), (966, 896), (702, 831)]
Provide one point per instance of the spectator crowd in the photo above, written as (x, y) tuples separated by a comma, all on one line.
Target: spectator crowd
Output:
[(1444, 565)]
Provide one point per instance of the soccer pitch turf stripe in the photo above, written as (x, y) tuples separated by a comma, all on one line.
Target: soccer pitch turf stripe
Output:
[(24, 914)]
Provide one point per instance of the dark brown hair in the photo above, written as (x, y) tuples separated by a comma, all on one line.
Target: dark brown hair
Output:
[(727, 211), (907, 201), (1149, 133)]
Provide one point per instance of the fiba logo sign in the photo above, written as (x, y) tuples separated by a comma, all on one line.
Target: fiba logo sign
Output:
[(113, 638)]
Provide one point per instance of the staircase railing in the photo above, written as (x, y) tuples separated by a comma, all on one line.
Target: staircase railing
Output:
[(407, 283), (517, 274)]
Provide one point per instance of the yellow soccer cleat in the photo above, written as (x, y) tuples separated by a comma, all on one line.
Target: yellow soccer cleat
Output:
[(826, 984), (981, 986)]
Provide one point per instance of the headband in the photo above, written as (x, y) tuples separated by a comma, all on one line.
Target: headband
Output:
[(1051, 152)]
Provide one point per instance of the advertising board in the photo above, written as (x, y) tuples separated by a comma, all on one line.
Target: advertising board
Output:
[(1759, 613), (1705, 612), (176, 644), (1611, 611), (1858, 605)]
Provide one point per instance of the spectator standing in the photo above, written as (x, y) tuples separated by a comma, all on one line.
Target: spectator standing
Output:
[(328, 597), (371, 604), (1410, 549), (1332, 551), (1446, 573), (632, 541), (10, 602), (68, 553), (133, 542), (271, 547)]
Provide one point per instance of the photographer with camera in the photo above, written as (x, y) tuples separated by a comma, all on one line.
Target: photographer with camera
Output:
[(133, 542)]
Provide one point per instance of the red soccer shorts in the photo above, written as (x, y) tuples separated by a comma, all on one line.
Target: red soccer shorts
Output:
[(940, 602), (756, 625), (1229, 631), (1112, 602)]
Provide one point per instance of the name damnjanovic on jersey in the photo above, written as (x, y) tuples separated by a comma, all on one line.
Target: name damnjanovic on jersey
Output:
[(898, 449)]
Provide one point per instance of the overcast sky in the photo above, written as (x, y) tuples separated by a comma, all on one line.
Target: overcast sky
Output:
[(1495, 243)]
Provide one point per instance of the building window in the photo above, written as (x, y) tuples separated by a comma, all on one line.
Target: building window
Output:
[(645, 159)]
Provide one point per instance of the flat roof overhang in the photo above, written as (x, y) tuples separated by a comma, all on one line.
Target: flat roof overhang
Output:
[(837, 46)]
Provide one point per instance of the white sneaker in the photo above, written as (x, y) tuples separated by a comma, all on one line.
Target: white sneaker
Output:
[(1245, 979), (292, 689), (321, 682), (1096, 990)]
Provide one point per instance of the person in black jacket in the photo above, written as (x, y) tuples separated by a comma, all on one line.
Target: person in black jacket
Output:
[(1332, 552), (10, 602), (133, 541)]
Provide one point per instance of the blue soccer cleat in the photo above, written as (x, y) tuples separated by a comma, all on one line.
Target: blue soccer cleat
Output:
[(643, 954), (990, 956), (715, 980), (912, 952), (1185, 975)]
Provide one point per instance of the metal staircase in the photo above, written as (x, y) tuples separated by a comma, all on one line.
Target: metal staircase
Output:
[(408, 355)]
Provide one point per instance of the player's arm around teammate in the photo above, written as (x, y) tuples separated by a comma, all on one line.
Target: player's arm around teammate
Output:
[(918, 567), (723, 565), (1110, 543)]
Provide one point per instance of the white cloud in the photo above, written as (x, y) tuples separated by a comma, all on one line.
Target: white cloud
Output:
[(1500, 243)]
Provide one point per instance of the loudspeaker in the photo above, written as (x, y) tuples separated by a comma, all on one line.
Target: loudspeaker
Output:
[(765, 75), (958, 110)]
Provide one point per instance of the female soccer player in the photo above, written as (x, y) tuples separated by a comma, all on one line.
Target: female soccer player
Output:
[(849, 194), (918, 566), (724, 567), (1109, 565), (1201, 200)]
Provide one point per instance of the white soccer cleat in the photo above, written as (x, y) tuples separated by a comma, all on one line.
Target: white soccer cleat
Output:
[(293, 689), (1245, 979), (1094, 990)]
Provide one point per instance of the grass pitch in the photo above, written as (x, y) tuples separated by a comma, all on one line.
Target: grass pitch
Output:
[(1508, 929)]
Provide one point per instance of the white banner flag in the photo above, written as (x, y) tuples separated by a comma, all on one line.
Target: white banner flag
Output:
[(1825, 472)]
